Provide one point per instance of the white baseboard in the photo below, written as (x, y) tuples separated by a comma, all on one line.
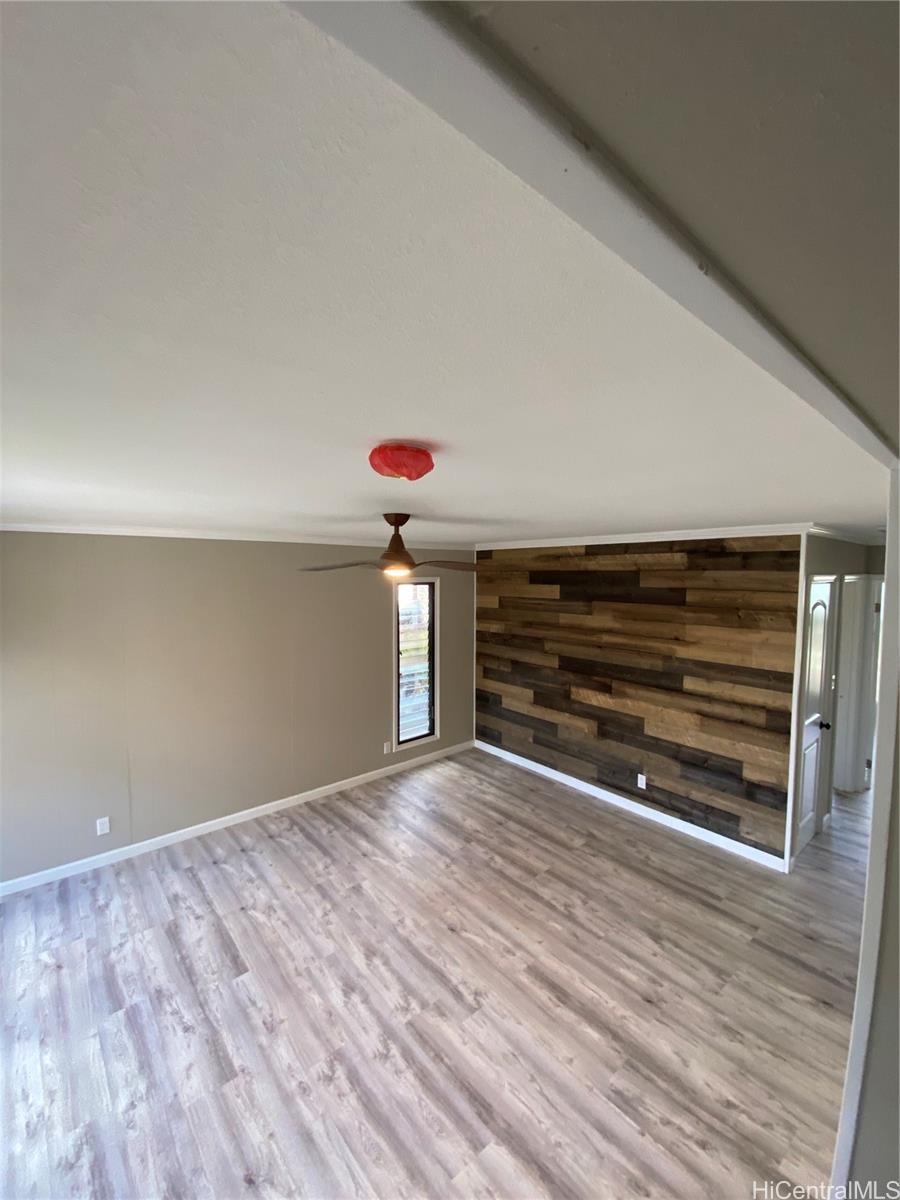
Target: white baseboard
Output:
[(772, 861), (247, 814)]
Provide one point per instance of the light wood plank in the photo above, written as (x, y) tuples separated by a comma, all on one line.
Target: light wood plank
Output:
[(739, 692), (460, 981), (743, 581)]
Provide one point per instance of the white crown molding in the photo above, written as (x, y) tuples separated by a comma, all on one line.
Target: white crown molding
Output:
[(865, 539), (221, 535), (665, 535), (134, 849), (844, 535), (772, 861)]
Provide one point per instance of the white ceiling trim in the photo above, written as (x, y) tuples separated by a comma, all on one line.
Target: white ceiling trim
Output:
[(845, 535), (512, 123), (663, 535), (225, 535), (605, 539)]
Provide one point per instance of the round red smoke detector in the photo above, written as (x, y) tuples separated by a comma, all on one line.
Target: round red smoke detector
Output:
[(396, 460)]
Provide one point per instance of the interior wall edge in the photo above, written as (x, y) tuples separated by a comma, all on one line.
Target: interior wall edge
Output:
[(796, 705), (773, 861), (885, 786), (10, 887)]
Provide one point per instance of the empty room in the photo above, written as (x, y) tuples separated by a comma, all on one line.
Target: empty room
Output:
[(449, 600)]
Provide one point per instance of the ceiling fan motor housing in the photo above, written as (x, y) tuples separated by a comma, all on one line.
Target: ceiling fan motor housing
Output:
[(396, 554)]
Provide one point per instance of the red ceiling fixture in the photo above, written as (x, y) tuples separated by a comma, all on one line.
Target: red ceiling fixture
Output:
[(396, 460)]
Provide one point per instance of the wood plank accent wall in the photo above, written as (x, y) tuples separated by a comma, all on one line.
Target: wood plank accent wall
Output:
[(672, 659)]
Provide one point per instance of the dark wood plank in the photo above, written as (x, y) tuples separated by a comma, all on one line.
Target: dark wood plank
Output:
[(670, 647)]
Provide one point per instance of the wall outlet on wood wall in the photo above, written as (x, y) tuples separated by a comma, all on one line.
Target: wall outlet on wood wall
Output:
[(642, 781)]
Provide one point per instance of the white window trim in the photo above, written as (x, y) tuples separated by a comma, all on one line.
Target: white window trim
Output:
[(395, 667)]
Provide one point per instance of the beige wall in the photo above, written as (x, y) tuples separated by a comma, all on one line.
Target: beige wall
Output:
[(875, 560), (163, 682), (832, 556)]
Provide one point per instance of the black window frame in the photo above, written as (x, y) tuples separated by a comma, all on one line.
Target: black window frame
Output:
[(431, 584)]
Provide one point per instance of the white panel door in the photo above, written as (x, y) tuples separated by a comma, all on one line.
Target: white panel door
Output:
[(817, 708)]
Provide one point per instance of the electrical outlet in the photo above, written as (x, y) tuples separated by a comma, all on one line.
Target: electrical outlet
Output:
[(642, 781), (102, 825), (387, 747)]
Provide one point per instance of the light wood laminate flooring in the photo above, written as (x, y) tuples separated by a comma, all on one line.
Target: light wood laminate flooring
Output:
[(459, 981)]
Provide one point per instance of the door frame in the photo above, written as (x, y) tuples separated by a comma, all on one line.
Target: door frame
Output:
[(796, 747), (858, 637), (826, 764), (825, 783)]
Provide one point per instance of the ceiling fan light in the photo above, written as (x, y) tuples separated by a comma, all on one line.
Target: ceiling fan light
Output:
[(396, 572)]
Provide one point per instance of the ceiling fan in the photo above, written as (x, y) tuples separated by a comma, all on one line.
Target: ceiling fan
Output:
[(396, 561)]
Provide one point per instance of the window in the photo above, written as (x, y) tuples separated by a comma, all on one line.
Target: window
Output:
[(415, 615)]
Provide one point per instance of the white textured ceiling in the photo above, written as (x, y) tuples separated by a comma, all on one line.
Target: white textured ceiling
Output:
[(236, 257)]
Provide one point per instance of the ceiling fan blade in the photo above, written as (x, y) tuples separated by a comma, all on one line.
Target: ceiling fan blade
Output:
[(366, 562), (447, 564)]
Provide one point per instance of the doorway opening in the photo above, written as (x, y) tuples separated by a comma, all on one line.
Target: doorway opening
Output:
[(839, 698)]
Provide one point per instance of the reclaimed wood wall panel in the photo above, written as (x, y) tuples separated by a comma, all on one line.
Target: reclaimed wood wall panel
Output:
[(669, 659)]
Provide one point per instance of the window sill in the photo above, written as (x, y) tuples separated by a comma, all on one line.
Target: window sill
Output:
[(414, 742)]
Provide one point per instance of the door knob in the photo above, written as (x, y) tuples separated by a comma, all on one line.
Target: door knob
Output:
[(824, 724)]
